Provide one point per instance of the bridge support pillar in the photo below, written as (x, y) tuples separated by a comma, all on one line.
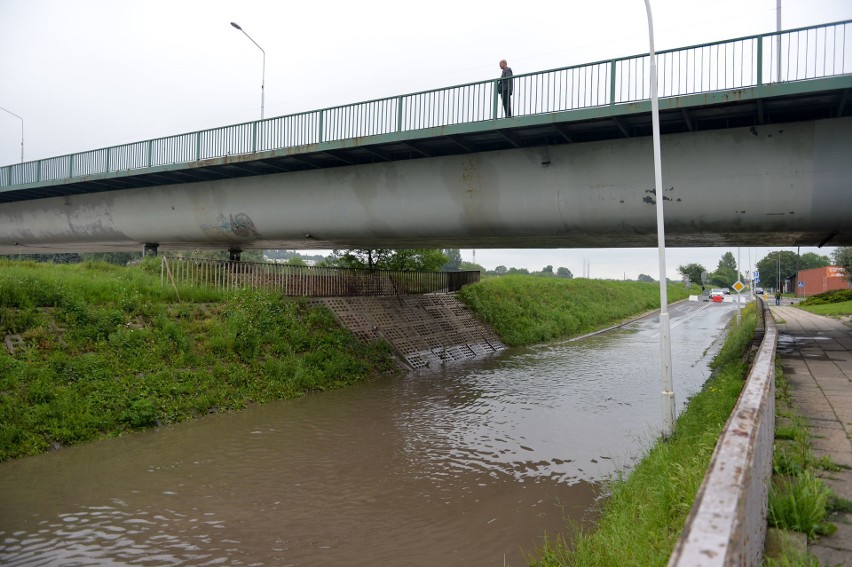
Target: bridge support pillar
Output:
[(234, 254), (150, 249)]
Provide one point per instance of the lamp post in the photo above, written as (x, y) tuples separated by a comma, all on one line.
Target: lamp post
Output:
[(263, 80), (778, 281), (22, 130), (668, 397)]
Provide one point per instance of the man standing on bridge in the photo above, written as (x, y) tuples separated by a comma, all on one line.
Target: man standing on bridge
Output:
[(504, 87)]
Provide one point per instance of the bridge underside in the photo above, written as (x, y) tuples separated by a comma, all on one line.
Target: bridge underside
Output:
[(774, 185)]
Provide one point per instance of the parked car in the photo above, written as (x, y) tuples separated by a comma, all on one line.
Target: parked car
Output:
[(717, 291), (726, 290), (758, 290)]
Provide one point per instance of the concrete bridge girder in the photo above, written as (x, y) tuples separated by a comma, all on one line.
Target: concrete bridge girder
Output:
[(786, 184)]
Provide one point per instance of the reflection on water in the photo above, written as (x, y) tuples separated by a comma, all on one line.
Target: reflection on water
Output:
[(466, 466)]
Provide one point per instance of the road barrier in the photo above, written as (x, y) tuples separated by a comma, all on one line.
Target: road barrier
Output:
[(727, 523)]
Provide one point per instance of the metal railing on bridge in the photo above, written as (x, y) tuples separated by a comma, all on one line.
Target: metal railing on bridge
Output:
[(308, 281), (781, 57)]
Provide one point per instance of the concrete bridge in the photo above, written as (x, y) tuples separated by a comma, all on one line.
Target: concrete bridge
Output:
[(757, 134)]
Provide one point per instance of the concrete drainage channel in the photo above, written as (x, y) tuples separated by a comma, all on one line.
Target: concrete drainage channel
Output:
[(425, 331)]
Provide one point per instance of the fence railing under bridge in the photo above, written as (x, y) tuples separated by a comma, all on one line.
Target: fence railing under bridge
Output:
[(308, 281)]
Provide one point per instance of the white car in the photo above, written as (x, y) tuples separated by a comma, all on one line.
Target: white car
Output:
[(716, 291)]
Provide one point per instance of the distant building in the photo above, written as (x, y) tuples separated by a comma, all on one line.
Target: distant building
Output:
[(818, 280)]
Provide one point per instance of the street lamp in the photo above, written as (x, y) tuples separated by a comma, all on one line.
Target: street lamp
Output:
[(668, 397), (22, 130), (778, 279), (263, 80)]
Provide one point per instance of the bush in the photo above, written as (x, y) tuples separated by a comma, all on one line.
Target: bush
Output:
[(833, 296)]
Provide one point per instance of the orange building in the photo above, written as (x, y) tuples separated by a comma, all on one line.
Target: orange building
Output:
[(818, 280)]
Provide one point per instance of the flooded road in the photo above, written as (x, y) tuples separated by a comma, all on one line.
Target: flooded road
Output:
[(469, 465)]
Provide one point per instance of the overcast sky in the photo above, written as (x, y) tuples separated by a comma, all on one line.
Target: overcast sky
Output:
[(86, 74)]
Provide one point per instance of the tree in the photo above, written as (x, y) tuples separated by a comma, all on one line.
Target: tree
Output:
[(768, 268), (547, 270), (843, 258), (501, 270), (727, 261), (454, 260), (516, 271), (424, 259), (790, 263), (645, 278), (471, 267), (726, 272), (60, 258), (693, 272), (811, 260), (564, 273)]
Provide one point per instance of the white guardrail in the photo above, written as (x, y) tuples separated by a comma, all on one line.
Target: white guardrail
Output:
[(727, 523)]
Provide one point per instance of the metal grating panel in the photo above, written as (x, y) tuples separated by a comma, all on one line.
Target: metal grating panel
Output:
[(424, 330)]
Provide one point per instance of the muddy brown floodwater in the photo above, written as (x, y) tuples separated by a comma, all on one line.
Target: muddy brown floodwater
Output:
[(467, 465)]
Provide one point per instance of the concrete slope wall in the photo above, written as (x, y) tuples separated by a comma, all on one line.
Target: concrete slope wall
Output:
[(424, 330)]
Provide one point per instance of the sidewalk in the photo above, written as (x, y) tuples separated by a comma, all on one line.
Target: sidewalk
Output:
[(816, 355)]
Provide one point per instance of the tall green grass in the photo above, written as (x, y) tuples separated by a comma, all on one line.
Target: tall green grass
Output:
[(798, 499), (525, 310), (646, 510), (106, 349)]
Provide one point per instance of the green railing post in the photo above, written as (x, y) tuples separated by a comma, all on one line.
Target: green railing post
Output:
[(494, 101), (254, 137), (320, 137), (106, 160), (399, 114), (612, 68), (198, 146), (150, 153), (759, 61), (70, 166)]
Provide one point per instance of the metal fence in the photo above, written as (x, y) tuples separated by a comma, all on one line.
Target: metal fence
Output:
[(782, 57), (308, 281)]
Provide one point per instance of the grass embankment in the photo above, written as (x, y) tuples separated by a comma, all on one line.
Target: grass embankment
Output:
[(837, 303), (525, 310), (646, 510), (105, 350)]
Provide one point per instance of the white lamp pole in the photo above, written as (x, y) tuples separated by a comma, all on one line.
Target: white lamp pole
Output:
[(263, 80), (668, 397), (778, 37), (22, 130)]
